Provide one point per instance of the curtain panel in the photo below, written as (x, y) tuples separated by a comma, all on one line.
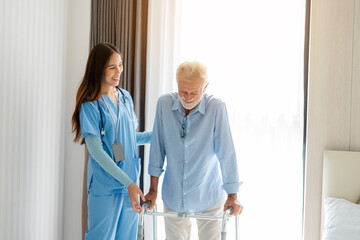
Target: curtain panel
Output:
[(122, 23)]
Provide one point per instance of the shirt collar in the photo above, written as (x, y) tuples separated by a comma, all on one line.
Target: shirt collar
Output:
[(199, 108)]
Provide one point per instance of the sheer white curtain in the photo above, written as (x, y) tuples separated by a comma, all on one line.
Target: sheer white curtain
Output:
[(162, 58), (254, 54)]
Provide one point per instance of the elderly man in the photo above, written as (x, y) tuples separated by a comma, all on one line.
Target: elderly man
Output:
[(192, 131)]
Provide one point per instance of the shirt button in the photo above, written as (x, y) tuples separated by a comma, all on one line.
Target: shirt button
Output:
[(185, 145), (186, 161), (184, 193), (184, 177)]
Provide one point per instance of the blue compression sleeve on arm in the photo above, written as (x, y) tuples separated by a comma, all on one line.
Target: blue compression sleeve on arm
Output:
[(143, 138), (97, 152)]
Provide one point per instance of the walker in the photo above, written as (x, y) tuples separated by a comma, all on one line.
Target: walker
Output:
[(226, 216)]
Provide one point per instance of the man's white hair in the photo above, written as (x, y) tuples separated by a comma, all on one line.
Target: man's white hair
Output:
[(189, 71)]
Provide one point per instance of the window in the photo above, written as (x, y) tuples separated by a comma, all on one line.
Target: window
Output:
[(254, 54)]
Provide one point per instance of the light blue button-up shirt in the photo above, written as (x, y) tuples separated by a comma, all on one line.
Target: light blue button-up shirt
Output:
[(202, 163)]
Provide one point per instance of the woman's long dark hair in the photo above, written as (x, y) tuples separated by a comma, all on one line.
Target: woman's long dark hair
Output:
[(90, 86)]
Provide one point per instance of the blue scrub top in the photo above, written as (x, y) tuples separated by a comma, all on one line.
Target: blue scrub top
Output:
[(98, 180)]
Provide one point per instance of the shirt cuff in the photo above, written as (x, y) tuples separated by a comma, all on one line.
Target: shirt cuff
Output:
[(232, 187), (155, 171), (143, 138)]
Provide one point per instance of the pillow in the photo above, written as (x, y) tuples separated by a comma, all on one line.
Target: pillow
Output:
[(341, 219)]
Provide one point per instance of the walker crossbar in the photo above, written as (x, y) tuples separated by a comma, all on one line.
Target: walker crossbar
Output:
[(226, 216)]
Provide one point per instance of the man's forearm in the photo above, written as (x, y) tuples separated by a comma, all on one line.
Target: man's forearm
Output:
[(154, 184)]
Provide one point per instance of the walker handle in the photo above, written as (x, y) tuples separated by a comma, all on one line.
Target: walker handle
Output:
[(146, 204), (230, 209)]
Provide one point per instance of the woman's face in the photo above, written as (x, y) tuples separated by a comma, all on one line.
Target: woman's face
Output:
[(113, 71)]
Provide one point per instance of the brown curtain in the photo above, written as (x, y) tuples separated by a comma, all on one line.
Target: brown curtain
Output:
[(124, 24)]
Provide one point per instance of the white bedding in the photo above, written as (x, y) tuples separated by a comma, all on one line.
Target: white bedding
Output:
[(341, 195), (341, 219)]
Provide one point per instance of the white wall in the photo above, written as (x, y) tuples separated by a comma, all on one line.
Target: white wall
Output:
[(32, 73), (43, 49), (334, 95), (77, 53)]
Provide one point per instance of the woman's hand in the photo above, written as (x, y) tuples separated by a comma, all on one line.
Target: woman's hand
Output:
[(134, 190)]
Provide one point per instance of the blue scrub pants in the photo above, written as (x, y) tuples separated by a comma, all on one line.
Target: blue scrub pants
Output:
[(111, 217)]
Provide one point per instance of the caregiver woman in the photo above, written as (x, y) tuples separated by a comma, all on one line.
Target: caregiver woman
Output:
[(104, 119)]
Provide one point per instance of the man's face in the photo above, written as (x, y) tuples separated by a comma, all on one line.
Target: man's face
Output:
[(190, 93)]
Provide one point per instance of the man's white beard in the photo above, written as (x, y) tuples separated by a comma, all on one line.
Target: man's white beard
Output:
[(191, 104)]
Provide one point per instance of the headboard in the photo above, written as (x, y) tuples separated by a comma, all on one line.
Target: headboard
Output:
[(341, 176)]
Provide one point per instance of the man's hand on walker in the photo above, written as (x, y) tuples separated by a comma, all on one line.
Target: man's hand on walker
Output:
[(151, 196), (233, 202)]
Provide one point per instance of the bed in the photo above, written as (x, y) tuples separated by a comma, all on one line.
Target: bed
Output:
[(341, 195)]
